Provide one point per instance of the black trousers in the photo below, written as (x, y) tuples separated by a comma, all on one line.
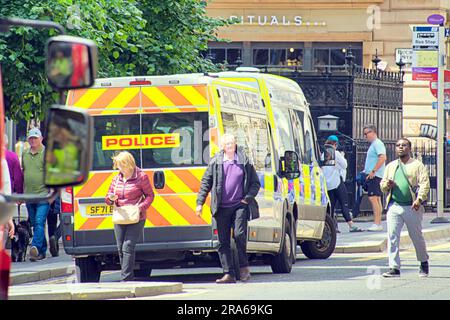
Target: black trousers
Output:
[(340, 194), (232, 218)]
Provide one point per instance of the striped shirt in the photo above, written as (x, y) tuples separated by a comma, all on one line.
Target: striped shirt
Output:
[(131, 191)]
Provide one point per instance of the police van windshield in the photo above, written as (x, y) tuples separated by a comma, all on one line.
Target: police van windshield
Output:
[(155, 140)]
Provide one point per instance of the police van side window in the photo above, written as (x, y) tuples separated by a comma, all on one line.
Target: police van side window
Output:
[(310, 149), (175, 140), (284, 129), (112, 135), (297, 118), (251, 134)]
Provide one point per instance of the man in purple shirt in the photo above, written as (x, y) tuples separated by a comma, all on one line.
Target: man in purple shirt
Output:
[(234, 184), (15, 171)]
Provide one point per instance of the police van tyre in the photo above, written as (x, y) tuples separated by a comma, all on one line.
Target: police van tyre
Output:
[(87, 269), (323, 248), (143, 273), (282, 262)]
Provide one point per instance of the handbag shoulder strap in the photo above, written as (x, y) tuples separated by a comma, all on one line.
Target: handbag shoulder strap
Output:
[(404, 174)]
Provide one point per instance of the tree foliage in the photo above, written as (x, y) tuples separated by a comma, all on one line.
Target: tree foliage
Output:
[(145, 37)]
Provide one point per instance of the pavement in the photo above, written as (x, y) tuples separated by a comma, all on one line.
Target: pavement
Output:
[(23, 273)]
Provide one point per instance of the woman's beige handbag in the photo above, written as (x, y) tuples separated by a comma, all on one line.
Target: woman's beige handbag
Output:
[(128, 214)]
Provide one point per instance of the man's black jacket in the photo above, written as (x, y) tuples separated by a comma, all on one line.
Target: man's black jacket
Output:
[(213, 181)]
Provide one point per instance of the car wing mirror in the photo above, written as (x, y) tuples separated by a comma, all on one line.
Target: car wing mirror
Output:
[(71, 62), (328, 157), (290, 165), (68, 155)]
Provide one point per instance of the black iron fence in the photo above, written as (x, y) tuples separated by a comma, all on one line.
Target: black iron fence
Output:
[(426, 151)]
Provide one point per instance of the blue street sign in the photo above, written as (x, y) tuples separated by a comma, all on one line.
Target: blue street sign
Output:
[(447, 32), (446, 105)]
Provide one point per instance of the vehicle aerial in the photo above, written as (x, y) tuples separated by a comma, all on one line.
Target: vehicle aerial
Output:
[(63, 125), (172, 125)]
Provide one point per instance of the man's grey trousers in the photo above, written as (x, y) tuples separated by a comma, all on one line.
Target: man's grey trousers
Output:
[(397, 216)]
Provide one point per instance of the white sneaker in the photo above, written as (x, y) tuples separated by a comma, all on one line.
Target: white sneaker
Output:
[(375, 227)]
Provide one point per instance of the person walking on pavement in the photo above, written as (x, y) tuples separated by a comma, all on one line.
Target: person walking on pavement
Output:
[(374, 168), (54, 229), (130, 187), (7, 229), (232, 180), (33, 174), (407, 184), (335, 184), (14, 169)]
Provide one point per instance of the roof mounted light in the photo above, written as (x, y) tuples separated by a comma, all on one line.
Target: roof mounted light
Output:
[(140, 82), (247, 69)]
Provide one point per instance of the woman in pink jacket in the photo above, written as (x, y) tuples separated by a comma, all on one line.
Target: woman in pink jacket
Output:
[(130, 187)]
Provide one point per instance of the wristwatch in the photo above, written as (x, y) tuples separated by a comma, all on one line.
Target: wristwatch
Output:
[(373, 171)]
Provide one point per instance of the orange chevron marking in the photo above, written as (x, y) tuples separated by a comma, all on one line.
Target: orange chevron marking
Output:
[(184, 210), (92, 223), (201, 90), (77, 94), (106, 98), (173, 95), (189, 179), (92, 185), (156, 218)]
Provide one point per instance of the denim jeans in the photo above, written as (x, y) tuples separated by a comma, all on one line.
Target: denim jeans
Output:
[(38, 216)]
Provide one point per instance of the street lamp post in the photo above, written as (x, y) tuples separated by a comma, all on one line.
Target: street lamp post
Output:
[(376, 61)]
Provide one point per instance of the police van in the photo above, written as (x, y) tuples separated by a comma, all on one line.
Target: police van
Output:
[(172, 125)]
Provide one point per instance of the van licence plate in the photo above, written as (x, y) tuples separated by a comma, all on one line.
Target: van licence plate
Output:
[(99, 210)]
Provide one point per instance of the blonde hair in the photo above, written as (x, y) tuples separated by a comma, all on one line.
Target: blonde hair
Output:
[(227, 137), (125, 160)]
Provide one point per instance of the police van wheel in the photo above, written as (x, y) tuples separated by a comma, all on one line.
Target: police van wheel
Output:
[(87, 269), (143, 273), (323, 248), (282, 262)]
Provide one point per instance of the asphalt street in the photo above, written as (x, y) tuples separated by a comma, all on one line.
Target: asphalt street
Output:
[(355, 276)]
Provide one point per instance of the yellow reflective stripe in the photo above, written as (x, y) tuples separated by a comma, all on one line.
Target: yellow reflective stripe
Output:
[(318, 185), (160, 99), (268, 186), (198, 173), (307, 183), (192, 95), (175, 183), (191, 201), (103, 190), (106, 224), (122, 99), (168, 212), (89, 98)]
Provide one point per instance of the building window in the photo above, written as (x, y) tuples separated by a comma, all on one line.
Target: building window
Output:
[(278, 57), (260, 57), (334, 58), (223, 55)]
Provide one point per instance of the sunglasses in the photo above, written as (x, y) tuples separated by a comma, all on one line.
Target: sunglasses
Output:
[(367, 132), (402, 145)]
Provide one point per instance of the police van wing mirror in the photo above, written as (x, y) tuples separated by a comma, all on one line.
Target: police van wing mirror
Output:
[(71, 62), (290, 165), (68, 155), (328, 157)]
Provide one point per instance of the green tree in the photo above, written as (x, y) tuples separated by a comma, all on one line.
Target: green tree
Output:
[(134, 38)]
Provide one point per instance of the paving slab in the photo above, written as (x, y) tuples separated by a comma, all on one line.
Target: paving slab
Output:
[(93, 291)]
